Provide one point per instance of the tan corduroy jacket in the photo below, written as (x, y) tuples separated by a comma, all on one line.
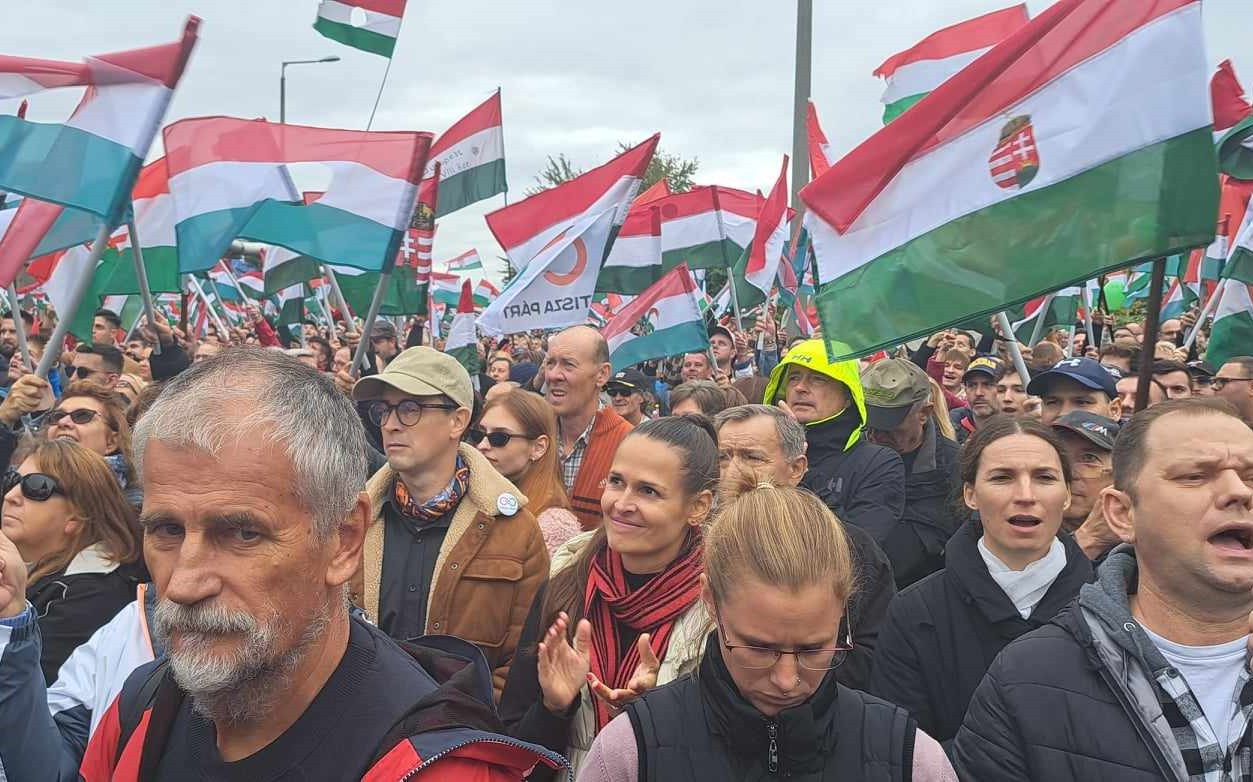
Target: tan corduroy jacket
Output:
[(489, 567)]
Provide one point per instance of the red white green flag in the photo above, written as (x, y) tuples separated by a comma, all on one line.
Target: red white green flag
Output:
[(819, 149), (911, 75), (664, 320), (471, 155), (369, 25), (1002, 187)]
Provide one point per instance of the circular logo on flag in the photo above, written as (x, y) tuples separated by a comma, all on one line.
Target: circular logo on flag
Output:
[(580, 262), (1016, 159)]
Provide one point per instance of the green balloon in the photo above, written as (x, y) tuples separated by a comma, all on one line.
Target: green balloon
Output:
[(1115, 294)]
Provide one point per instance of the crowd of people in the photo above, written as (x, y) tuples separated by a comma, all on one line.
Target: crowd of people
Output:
[(223, 558)]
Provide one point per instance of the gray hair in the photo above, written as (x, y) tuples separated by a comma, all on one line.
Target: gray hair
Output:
[(250, 392), (791, 433)]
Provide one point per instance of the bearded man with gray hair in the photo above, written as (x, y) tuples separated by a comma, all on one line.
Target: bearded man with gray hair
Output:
[(253, 468)]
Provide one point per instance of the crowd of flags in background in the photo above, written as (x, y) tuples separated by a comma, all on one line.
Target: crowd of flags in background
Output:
[(962, 206)]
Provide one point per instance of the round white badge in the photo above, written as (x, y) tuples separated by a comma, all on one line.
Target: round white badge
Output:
[(507, 504)]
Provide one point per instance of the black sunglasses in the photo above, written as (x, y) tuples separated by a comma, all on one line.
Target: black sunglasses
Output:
[(82, 373), (81, 417), (35, 486), (619, 391), (494, 439)]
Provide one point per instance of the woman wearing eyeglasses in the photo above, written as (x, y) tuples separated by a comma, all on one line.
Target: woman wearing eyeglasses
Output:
[(765, 703), (67, 516), (1006, 573), (92, 416), (516, 433), (621, 613)]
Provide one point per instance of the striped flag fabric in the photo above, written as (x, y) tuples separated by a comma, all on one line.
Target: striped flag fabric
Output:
[(664, 320), (462, 342), (83, 168), (484, 293), (896, 262), (406, 294), (467, 261), (913, 74), (369, 25), (1232, 331), (229, 180), (635, 262), (770, 237), (471, 154), (446, 289), (1239, 265), (560, 238), (819, 149), (1230, 105)]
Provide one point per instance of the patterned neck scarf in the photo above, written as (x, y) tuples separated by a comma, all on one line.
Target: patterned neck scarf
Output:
[(419, 513)]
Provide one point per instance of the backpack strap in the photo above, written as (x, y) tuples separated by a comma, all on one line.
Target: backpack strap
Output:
[(168, 700), (131, 710)]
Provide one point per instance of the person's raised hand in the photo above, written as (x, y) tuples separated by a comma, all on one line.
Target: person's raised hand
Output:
[(344, 381), (642, 680), (12, 579), (161, 331), (563, 667), (28, 394), (741, 345)]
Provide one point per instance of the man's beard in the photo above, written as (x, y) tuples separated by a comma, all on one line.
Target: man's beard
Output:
[(242, 685)]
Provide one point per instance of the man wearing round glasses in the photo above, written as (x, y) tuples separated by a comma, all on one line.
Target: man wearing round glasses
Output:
[(450, 549), (1234, 382)]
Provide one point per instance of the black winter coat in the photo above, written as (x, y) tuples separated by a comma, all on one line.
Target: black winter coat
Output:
[(74, 604), (942, 633), (863, 484), (1048, 709), (916, 545)]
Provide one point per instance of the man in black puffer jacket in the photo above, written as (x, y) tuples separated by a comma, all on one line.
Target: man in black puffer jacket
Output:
[(862, 483), (1145, 677)]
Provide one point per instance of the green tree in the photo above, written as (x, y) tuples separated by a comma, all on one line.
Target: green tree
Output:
[(678, 172)]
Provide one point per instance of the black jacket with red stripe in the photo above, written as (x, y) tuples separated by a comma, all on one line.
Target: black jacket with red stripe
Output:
[(419, 711)]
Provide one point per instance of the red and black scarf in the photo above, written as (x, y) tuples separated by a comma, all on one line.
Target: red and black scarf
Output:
[(619, 616)]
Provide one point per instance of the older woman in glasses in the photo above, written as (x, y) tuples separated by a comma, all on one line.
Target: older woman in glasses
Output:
[(518, 435), (778, 574), (68, 518), (92, 415)]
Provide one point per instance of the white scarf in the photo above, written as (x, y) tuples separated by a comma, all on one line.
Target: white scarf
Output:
[(1026, 588)]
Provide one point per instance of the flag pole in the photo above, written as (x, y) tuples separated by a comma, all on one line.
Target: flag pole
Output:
[(376, 303), (800, 106), (213, 315), (1210, 305), (349, 326), (1152, 319), (77, 291), (1041, 316), (1015, 352), (15, 310), (234, 280), (141, 275)]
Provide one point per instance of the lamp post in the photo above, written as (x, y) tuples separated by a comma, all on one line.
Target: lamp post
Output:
[(282, 83)]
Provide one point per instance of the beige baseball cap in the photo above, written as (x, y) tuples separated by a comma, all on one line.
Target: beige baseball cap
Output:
[(420, 371)]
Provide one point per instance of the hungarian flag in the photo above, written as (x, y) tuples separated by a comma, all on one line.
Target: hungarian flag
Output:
[(559, 238), (914, 73), (1232, 332), (368, 25), (462, 343), (1239, 264), (82, 171), (467, 261), (484, 293), (229, 180), (1230, 105), (659, 190), (664, 320), (1061, 313), (769, 239), (446, 289), (1001, 187), (405, 294), (472, 156), (634, 263), (819, 149)]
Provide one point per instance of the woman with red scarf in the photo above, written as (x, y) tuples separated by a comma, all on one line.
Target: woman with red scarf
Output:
[(621, 613)]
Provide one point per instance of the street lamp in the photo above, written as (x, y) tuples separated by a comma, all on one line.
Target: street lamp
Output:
[(282, 83)]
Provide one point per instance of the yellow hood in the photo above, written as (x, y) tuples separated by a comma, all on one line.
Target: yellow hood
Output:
[(812, 354)]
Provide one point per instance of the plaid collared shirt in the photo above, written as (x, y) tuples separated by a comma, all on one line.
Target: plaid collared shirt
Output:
[(1204, 758), (572, 460)]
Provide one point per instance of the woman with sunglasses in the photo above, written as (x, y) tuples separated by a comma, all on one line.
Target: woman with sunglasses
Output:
[(621, 612), (92, 416), (765, 703), (517, 433), (1006, 572), (67, 516)]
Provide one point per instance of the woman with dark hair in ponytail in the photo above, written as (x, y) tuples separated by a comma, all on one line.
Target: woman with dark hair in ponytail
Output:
[(621, 613)]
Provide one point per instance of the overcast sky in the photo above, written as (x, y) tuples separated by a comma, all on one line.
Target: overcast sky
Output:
[(713, 76)]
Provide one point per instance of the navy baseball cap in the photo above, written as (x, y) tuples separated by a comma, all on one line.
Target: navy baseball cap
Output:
[(987, 365), (1087, 372), (1096, 429), (630, 379)]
